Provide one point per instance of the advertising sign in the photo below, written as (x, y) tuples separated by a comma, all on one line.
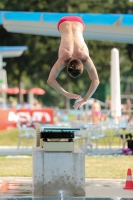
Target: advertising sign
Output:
[(10, 117)]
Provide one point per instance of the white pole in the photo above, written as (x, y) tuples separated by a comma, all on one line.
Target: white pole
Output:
[(115, 84)]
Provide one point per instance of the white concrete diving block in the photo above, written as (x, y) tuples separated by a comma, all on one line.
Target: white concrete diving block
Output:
[(58, 172)]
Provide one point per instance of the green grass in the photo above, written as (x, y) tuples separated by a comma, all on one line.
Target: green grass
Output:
[(108, 167), (95, 167), (21, 167), (10, 138)]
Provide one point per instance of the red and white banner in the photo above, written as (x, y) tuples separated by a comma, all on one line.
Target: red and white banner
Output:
[(9, 117)]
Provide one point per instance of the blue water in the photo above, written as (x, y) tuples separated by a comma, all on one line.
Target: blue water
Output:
[(32, 198)]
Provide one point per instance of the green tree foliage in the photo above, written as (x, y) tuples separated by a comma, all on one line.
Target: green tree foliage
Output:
[(34, 65)]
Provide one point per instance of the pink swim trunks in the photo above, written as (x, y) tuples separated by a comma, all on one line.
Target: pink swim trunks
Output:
[(71, 19)]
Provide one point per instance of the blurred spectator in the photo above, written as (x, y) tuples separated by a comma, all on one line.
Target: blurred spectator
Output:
[(36, 104), (127, 107), (96, 112), (12, 102), (39, 105), (130, 121), (24, 106), (8, 104), (129, 141)]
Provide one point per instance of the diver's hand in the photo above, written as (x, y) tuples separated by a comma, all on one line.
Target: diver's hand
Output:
[(79, 102), (72, 96)]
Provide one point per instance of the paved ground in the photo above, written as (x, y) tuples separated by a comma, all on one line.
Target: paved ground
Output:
[(13, 150), (95, 188)]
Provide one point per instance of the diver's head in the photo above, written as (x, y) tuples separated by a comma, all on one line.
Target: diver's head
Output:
[(74, 68)]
